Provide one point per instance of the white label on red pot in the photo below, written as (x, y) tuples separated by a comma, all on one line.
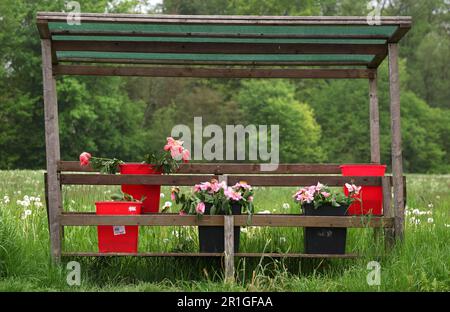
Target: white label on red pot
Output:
[(119, 229), (132, 208)]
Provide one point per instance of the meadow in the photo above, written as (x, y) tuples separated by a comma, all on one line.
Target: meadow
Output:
[(420, 263)]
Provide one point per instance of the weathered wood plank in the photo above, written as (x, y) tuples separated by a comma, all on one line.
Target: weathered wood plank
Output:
[(228, 168), (272, 180), (119, 33), (219, 72), (389, 235), (52, 149), (294, 255), (218, 47), (396, 139), (255, 180), (273, 220), (179, 254), (374, 122), (140, 254), (120, 179), (225, 19), (208, 63), (229, 248)]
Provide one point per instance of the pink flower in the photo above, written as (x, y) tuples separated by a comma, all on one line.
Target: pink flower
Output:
[(200, 208), (172, 196), (185, 155), (215, 187), (175, 147), (349, 187), (242, 184), (182, 213), (84, 159), (319, 186), (352, 188), (232, 194), (250, 198), (325, 194)]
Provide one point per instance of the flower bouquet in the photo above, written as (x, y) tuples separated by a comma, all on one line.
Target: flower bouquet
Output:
[(215, 198), (320, 200), (165, 162)]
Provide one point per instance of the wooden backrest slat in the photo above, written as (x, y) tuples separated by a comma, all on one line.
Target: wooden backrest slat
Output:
[(217, 169)]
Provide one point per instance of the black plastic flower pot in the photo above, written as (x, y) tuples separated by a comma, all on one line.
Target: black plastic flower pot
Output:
[(211, 238), (325, 240)]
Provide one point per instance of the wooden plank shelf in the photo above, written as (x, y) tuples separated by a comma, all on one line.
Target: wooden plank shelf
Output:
[(228, 168), (272, 220), (199, 254), (189, 180)]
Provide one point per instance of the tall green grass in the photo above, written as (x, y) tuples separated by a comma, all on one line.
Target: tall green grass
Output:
[(420, 263)]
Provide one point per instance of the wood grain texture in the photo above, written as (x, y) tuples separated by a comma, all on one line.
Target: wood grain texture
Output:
[(272, 220), (229, 248), (389, 233), (193, 254), (219, 72), (52, 149), (227, 168), (396, 141), (224, 19), (218, 47), (374, 122), (187, 180)]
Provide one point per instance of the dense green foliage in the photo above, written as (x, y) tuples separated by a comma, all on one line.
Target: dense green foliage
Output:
[(319, 120)]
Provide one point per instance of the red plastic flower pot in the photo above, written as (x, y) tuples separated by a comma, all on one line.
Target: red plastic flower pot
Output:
[(371, 196), (118, 238), (150, 192)]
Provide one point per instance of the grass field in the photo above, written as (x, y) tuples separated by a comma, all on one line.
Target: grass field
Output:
[(421, 263)]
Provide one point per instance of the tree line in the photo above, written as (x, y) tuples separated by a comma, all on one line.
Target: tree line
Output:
[(320, 120)]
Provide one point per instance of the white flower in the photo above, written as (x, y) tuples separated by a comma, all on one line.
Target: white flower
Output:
[(175, 233), (264, 212), (430, 220), (38, 204), (430, 205), (166, 240), (168, 204), (429, 212), (26, 198), (38, 199), (407, 212), (161, 195), (27, 212), (6, 199), (286, 206), (447, 225), (282, 239), (438, 197), (417, 221), (244, 230), (416, 212)]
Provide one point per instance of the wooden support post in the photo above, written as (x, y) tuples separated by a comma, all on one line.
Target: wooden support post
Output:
[(229, 248), (387, 212), (374, 132), (374, 122), (52, 150), (396, 138)]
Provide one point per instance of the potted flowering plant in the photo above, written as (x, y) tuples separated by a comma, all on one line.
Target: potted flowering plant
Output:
[(215, 198), (118, 238), (319, 200), (166, 161)]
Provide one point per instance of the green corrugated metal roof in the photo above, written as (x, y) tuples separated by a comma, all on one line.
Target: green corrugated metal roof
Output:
[(219, 57), (210, 33)]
